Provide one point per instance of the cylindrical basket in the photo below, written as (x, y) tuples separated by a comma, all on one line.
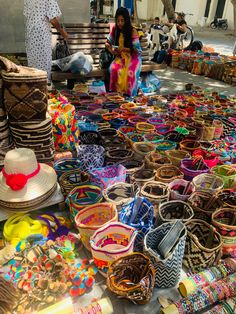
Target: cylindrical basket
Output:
[(175, 156), (168, 173), (208, 183), (120, 194), (93, 217), (66, 164), (167, 269), (108, 176), (142, 176), (70, 179), (173, 210), (132, 277), (83, 195), (111, 242), (91, 156), (156, 193), (141, 149), (224, 220), (191, 170), (203, 245), (154, 160), (227, 174), (180, 189)]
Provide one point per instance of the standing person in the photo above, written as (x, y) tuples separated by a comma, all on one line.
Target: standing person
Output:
[(123, 43), (39, 16)]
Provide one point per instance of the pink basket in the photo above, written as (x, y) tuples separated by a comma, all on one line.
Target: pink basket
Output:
[(108, 176)]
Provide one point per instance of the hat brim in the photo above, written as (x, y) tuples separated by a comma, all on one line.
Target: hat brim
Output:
[(37, 186)]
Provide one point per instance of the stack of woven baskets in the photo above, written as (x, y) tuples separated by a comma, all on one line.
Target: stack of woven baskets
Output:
[(23, 111)]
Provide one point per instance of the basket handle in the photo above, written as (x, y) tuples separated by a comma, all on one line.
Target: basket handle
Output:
[(8, 65)]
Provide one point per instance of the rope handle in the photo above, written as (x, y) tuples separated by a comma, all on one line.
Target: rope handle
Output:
[(8, 65)]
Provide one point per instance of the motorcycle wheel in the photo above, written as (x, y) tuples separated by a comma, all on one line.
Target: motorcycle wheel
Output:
[(213, 25), (224, 26)]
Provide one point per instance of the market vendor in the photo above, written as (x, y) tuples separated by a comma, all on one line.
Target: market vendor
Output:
[(39, 16)]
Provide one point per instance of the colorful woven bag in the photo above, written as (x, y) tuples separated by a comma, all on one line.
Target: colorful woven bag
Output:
[(108, 176), (180, 189), (165, 246), (227, 173), (93, 217), (91, 156), (66, 164), (139, 214), (132, 277), (208, 183), (175, 156), (203, 246), (70, 179), (111, 242), (191, 169), (224, 220), (154, 160), (83, 195)]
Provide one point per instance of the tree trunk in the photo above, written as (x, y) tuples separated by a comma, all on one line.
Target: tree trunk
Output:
[(136, 20), (234, 5), (170, 11)]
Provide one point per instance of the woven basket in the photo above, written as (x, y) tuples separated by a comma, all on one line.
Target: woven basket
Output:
[(208, 132), (93, 217), (120, 194), (175, 156), (108, 176), (133, 138), (168, 173), (189, 146), (66, 164), (154, 160), (224, 220), (153, 138), (180, 189), (191, 169), (132, 277), (70, 179), (156, 193), (142, 176), (83, 195), (90, 137), (91, 156), (227, 174), (145, 128), (108, 133), (24, 92), (114, 156), (204, 204), (139, 214), (208, 183), (167, 270), (131, 167), (111, 242), (142, 149), (227, 198), (210, 158), (165, 145), (203, 247), (172, 210)]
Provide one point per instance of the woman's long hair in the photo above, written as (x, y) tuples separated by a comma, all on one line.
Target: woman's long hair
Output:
[(127, 29)]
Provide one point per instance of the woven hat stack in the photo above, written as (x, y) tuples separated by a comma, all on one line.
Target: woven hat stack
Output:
[(24, 183), (25, 101)]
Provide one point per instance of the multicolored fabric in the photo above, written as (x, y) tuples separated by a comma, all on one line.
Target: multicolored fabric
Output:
[(138, 214), (108, 176), (125, 69), (91, 156)]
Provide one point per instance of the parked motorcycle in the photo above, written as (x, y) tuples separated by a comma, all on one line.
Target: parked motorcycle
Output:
[(219, 23)]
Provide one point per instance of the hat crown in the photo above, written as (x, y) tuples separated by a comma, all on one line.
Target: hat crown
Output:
[(20, 160)]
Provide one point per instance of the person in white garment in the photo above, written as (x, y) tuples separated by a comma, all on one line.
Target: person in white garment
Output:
[(39, 16)]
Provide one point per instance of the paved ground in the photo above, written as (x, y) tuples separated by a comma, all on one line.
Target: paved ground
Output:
[(173, 80)]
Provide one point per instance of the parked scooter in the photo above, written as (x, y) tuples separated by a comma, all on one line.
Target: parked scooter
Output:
[(219, 23)]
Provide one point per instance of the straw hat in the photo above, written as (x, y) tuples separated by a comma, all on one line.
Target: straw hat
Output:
[(23, 179)]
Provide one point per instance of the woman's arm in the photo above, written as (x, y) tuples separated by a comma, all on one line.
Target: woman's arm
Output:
[(55, 23)]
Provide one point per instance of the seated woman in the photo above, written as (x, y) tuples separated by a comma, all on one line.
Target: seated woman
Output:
[(123, 43)]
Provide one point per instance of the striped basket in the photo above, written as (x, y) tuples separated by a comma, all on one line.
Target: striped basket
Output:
[(203, 247), (66, 164), (228, 175), (93, 217), (227, 198), (70, 179), (111, 242), (224, 220)]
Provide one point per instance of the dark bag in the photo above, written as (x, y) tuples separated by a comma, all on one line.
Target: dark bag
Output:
[(61, 50), (159, 56), (105, 59), (196, 45)]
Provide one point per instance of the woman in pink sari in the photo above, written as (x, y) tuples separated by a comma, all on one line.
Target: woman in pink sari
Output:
[(123, 43)]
